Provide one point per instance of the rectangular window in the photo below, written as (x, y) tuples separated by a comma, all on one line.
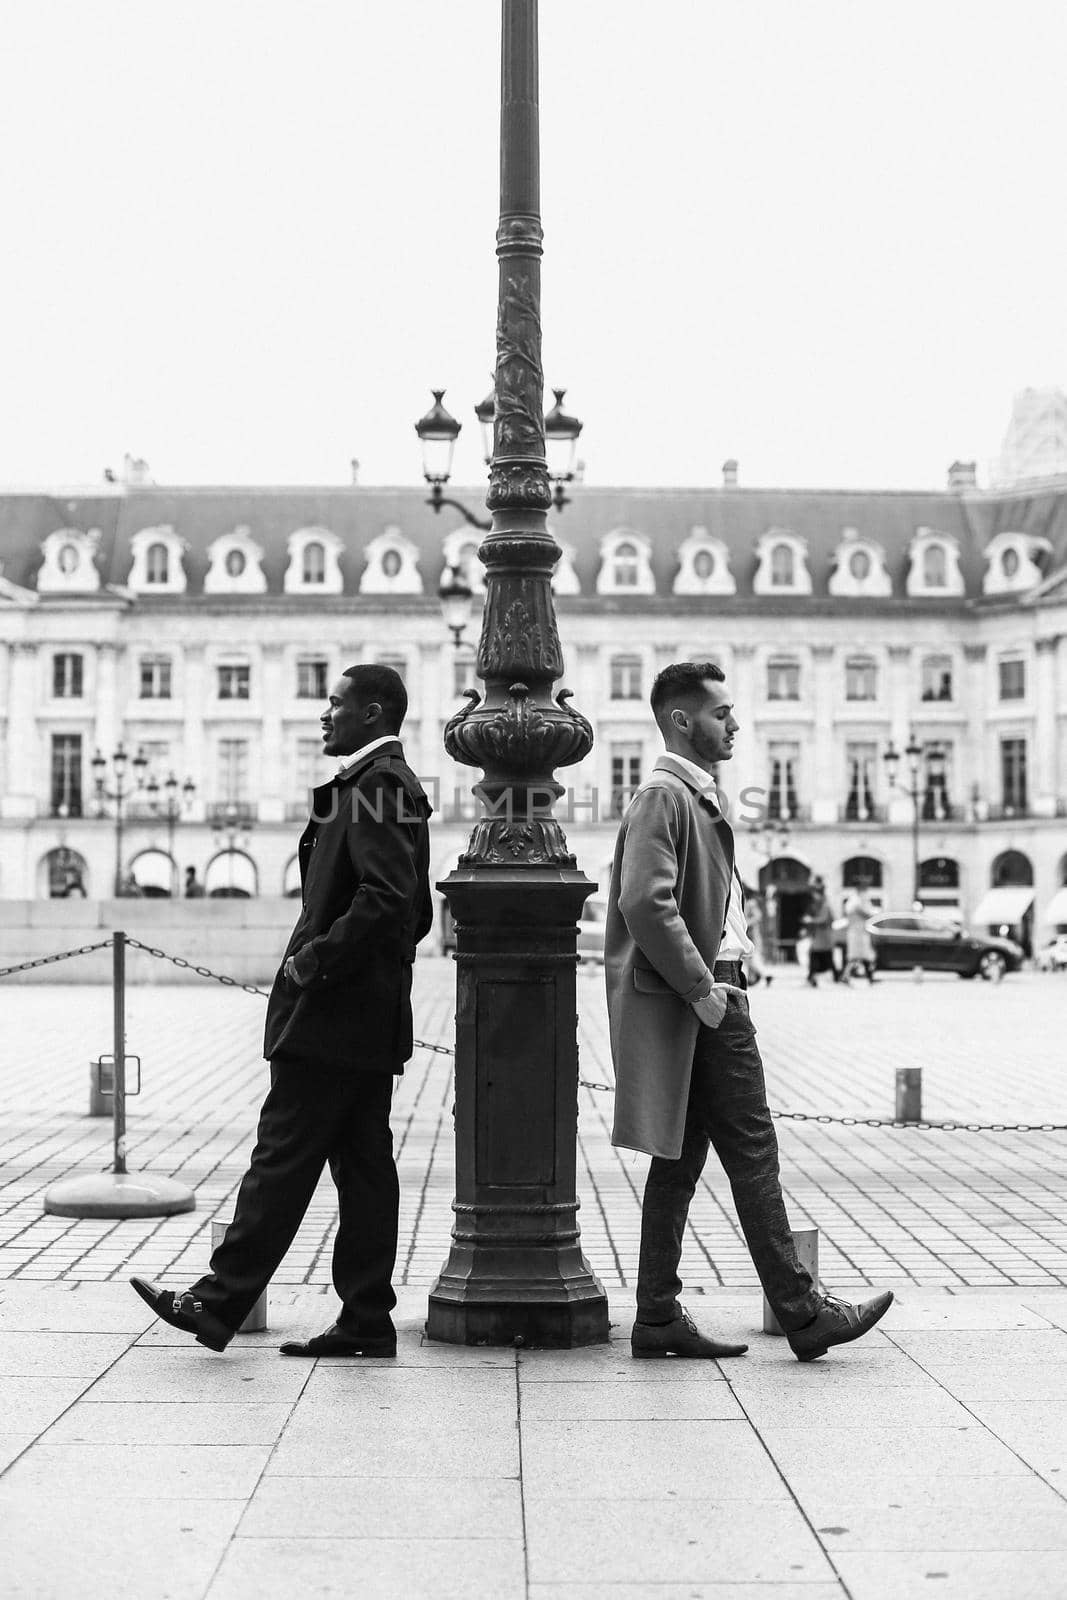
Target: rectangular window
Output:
[(311, 680), (861, 679), (784, 759), (233, 770), (235, 681), (783, 680), (1013, 679), (67, 677), (308, 769), (464, 676), (1013, 774), (157, 754), (937, 678), (155, 677), (625, 775), (626, 678), (66, 775), (861, 760)]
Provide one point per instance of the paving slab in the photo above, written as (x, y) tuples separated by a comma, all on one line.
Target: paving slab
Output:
[(367, 1508), (911, 1450), (375, 1569), (193, 1373), (319, 1448), (592, 1460), (691, 1540), (58, 1472), (952, 1575), (139, 1550), (171, 1423), (686, 1591), (58, 1355), (635, 1401)]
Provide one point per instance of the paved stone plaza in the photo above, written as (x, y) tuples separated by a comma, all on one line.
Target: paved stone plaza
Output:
[(933, 1456)]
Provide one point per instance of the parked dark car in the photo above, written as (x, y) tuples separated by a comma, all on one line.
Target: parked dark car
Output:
[(907, 939)]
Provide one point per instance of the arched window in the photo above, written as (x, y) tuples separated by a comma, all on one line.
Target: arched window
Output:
[(935, 570), (1012, 867), (625, 565), (703, 564), (859, 564), (1009, 562), (65, 874), (235, 563), (157, 564), (392, 561), (939, 872), (314, 566), (783, 566), (861, 872), (231, 875)]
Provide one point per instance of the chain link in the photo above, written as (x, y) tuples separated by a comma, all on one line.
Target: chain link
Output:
[(248, 988), (46, 961)]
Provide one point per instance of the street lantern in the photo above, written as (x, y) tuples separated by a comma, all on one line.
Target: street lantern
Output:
[(485, 411), (438, 431), (913, 750), (455, 595), (561, 444), (118, 794)]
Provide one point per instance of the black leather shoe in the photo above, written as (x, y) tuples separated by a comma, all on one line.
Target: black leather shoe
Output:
[(681, 1337), (837, 1322), (185, 1311), (339, 1342)]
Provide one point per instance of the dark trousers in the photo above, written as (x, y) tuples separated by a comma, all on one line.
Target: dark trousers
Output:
[(315, 1113), (728, 1110)]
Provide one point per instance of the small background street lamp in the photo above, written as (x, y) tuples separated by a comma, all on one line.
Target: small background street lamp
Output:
[(455, 595), (117, 795), (170, 800), (920, 783)]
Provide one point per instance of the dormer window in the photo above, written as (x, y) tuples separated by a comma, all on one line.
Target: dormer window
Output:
[(157, 564), (157, 561), (935, 573), (935, 564), (783, 563), (1013, 562), (68, 562), (859, 567), (704, 566), (314, 562), (625, 564), (392, 565), (783, 567), (235, 565), (461, 550)]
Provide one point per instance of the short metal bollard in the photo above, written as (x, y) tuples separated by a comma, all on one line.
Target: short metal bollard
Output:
[(256, 1320), (909, 1094), (806, 1241)]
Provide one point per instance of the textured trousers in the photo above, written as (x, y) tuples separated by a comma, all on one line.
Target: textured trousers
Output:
[(314, 1113), (727, 1110)]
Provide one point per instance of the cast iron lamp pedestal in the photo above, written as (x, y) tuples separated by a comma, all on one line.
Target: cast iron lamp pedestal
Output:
[(515, 1272)]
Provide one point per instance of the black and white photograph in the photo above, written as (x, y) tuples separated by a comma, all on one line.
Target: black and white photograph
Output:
[(533, 800)]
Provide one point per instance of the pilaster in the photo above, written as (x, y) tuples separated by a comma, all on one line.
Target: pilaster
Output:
[(1046, 783), (825, 787)]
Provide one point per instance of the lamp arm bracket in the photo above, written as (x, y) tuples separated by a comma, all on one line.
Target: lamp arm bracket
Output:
[(439, 500)]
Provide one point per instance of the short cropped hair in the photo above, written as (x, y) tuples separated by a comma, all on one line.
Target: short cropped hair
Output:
[(681, 682), (374, 681)]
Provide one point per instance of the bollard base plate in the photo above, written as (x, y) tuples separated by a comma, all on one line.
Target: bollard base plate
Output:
[(118, 1194)]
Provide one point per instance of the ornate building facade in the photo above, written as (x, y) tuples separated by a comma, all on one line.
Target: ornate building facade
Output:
[(199, 630)]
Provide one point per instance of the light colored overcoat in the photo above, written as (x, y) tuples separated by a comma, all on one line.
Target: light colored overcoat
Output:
[(670, 887)]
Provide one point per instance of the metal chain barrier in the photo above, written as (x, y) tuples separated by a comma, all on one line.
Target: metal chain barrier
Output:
[(583, 1083), (889, 1122), (46, 961)]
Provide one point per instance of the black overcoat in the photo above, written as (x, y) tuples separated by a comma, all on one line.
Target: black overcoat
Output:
[(364, 874)]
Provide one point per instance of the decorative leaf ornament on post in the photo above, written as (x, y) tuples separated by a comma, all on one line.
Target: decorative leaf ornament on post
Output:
[(515, 1272)]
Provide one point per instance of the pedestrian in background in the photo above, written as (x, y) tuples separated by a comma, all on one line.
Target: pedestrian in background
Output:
[(859, 946), (687, 1067), (757, 965), (338, 1028), (194, 889), (819, 921)]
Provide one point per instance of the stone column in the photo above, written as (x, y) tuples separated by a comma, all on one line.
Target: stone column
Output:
[(107, 724), (1046, 782), (747, 771), (825, 785), (270, 798), (900, 692), (975, 778), (194, 691)]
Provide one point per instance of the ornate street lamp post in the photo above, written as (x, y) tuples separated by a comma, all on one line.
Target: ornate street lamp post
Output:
[(177, 799), (516, 1271), (117, 795), (915, 791)]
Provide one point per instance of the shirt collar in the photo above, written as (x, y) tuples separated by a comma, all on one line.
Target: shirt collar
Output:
[(695, 776), (346, 763)]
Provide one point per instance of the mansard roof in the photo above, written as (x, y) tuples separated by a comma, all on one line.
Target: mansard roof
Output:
[(665, 516)]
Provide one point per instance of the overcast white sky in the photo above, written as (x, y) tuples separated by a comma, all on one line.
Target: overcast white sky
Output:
[(243, 239)]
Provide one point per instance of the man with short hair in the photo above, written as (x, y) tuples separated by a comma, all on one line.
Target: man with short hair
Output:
[(687, 1067), (338, 1028)]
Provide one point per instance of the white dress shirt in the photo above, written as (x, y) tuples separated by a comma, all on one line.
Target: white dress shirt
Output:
[(736, 944), (364, 750)]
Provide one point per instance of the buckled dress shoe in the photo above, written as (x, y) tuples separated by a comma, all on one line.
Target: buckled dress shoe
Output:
[(682, 1337), (339, 1342), (186, 1312), (837, 1322)]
